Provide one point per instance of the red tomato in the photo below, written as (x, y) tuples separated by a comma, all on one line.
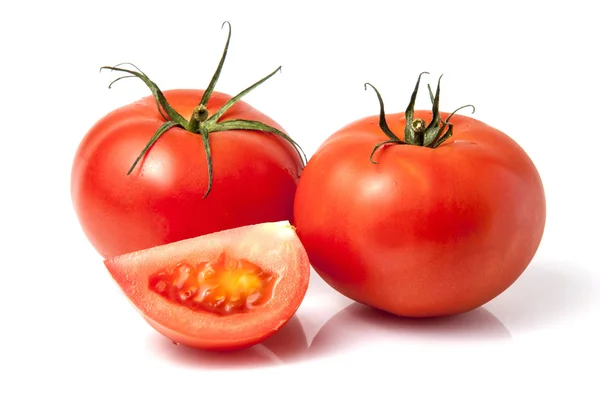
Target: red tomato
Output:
[(255, 169), (226, 290), (420, 231)]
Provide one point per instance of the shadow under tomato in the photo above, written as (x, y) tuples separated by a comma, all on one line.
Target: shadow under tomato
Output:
[(285, 346), (358, 324), (546, 294)]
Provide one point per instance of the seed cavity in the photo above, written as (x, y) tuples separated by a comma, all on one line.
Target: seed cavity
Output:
[(222, 286)]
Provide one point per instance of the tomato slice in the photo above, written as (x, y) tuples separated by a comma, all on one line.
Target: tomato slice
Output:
[(227, 290)]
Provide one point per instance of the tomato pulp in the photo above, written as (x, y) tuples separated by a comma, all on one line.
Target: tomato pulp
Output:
[(420, 231), (223, 291)]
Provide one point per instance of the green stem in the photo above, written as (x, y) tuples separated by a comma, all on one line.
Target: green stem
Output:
[(217, 74), (215, 117), (382, 120), (377, 146), (416, 131), (199, 115), (206, 143), (432, 131), (201, 123), (409, 133), (158, 94), (418, 127), (242, 124), (163, 128)]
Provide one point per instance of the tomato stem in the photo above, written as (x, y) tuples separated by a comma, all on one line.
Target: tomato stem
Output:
[(416, 131), (225, 107), (199, 115), (206, 143), (163, 128), (217, 74), (161, 102), (382, 121), (409, 133), (419, 125), (201, 122)]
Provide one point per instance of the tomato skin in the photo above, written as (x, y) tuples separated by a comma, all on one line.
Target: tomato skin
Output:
[(426, 232), (161, 201), (273, 246)]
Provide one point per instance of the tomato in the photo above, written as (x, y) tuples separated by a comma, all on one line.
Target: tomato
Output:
[(222, 291), (207, 162), (433, 224)]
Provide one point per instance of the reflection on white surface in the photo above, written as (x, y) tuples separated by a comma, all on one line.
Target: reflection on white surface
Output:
[(328, 323), (358, 324), (288, 344), (546, 295), (353, 326), (338, 325)]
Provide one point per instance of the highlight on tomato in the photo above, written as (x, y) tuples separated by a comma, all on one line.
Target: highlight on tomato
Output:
[(222, 291), (180, 164), (421, 213)]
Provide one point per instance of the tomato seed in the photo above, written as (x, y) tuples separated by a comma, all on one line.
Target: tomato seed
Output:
[(223, 286)]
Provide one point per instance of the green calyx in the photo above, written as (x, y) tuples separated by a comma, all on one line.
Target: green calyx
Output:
[(417, 132), (201, 122)]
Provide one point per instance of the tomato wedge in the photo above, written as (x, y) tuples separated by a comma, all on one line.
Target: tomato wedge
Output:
[(223, 291)]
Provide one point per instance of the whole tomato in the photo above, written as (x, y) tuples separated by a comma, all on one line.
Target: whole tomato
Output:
[(436, 221), (181, 164)]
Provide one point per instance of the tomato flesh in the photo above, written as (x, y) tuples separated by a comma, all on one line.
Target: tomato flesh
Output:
[(261, 270), (223, 286)]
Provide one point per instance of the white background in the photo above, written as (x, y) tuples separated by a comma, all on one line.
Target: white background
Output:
[(530, 68)]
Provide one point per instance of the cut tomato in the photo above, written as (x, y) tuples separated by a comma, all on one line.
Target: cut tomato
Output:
[(223, 291)]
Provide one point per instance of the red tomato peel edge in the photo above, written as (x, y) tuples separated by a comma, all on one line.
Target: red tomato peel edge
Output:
[(268, 247)]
